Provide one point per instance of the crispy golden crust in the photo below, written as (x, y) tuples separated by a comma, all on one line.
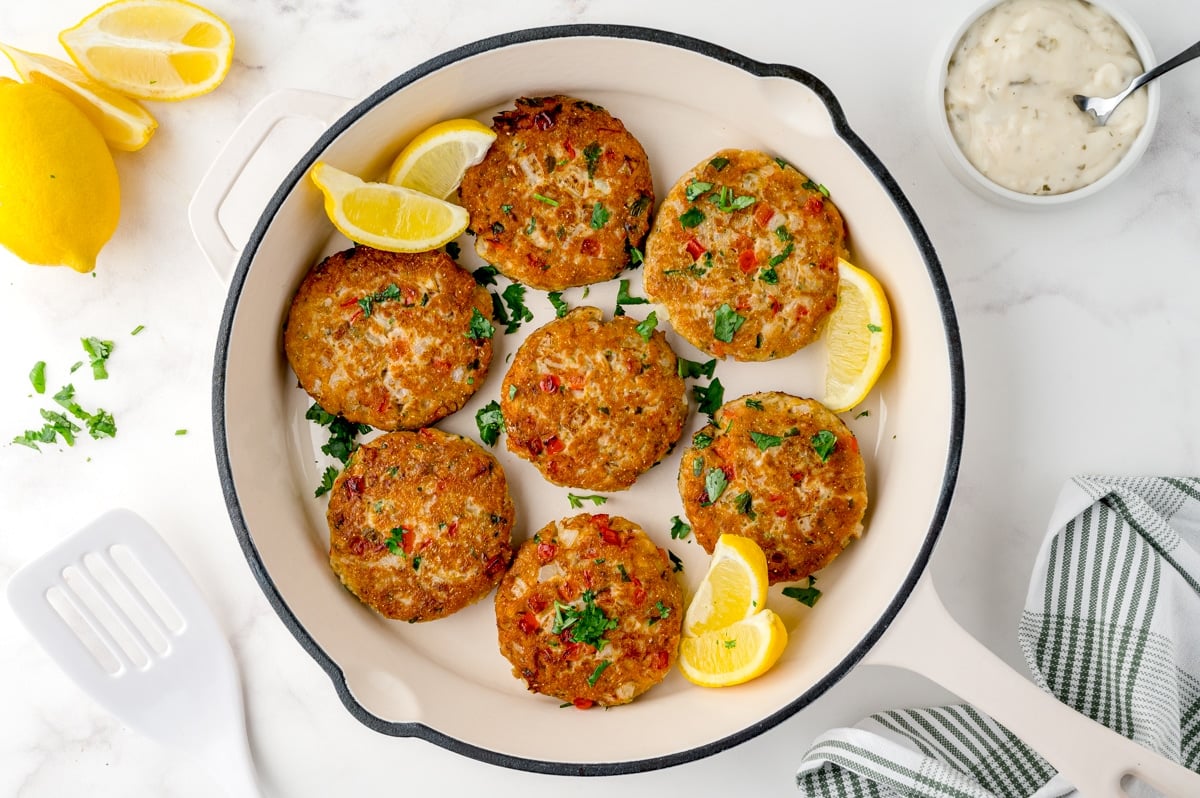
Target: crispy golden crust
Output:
[(591, 403), (802, 510), (630, 580), (773, 262), (595, 185), (420, 524), (383, 338)]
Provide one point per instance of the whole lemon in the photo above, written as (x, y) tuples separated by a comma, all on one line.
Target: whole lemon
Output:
[(59, 195)]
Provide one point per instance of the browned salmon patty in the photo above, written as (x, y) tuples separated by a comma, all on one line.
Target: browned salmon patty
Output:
[(593, 404), (743, 255), (394, 340), (783, 471), (562, 194), (420, 524), (590, 611)]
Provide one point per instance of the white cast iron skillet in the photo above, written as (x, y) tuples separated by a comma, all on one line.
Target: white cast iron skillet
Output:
[(446, 681)]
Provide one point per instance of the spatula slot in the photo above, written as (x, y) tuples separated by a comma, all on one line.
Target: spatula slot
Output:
[(108, 622), (141, 581), (131, 603), (58, 600)]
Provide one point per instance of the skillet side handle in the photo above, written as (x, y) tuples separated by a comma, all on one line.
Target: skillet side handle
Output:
[(231, 162), (925, 639)]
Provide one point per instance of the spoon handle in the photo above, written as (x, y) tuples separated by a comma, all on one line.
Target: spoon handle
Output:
[(1166, 66)]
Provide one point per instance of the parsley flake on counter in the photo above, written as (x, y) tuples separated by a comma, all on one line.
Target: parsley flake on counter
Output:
[(327, 479), (181, 432), (696, 189), (823, 443), (485, 275), (692, 217), (76, 366), (647, 327), (490, 421), (709, 398), (715, 483), (138, 329), (726, 323), (480, 328), (37, 377), (600, 216), (595, 677), (692, 369), (764, 441), (101, 424), (679, 528), (577, 501), (97, 352), (805, 595), (560, 307)]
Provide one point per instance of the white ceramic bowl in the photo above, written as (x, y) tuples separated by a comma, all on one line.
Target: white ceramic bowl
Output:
[(965, 171)]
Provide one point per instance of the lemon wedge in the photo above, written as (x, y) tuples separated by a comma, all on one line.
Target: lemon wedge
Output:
[(124, 124), (152, 49), (384, 216), (858, 338), (436, 160), (735, 654), (733, 588)]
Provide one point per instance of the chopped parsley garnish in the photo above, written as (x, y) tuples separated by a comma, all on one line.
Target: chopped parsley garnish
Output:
[(319, 414), (595, 677), (529, 228), (754, 404), (367, 303), (709, 398), (553, 203), (768, 275), (809, 185), (587, 625), (863, 413), (76, 365), (480, 328), (692, 369), (32, 438), (782, 163), (647, 327), (782, 256), (697, 466), (327, 479), (726, 323), (453, 250), (577, 501), (696, 189), (719, 163), (395, 541), (764, 441), (560, 307), (514, 297), (341, 432), (805, 595), (640, 204), (416, 563), (715, 483), (663, 612), (138, 329), (823, 443), (61, 425), (485, 275), (702, 440), (97, 352), (730, 643), (675, 561), (181, 432), (624, 574), (600, 216), (512, 391), (874, 328), (591, 153), (635, 257), (680, 529), (691, 217), (38, 376), (490, 421), (725, 200), (624, 297), (101, 424), (782, 233), (742, 502)]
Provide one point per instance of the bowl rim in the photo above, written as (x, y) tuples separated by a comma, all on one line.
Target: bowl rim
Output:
[(976, 180), (938, 287)]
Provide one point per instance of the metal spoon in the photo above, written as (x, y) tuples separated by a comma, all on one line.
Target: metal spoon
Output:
[(1101, 108)]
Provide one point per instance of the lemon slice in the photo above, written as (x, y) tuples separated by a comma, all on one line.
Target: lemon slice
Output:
[(733, 589), (435, 161), (124, 124), (384, 216), (858, 338), (152, 49), (735, 654)]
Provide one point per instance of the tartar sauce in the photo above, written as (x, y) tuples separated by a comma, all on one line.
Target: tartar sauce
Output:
[(1009, 86)]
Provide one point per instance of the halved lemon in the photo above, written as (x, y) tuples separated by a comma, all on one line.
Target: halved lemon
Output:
[(124, 124), (436, 160), (733, 588), (152, 49), (384, 216), (735, 654), (858, 338)]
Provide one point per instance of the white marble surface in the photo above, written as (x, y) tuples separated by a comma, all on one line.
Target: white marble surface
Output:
[(1079, 326)]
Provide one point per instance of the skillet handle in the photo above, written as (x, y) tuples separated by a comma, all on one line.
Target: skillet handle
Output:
[(230, 166), (925, 639)]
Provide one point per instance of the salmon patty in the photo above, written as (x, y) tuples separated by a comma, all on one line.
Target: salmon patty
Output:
[(743, 255), (394, 340), (593, 404), (562, 194), (420, 524), (781, 470), (590, 611)]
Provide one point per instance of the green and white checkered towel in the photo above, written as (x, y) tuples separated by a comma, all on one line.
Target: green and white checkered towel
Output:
[(1109, 626)]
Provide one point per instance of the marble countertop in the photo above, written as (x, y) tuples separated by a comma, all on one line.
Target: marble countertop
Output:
[(1079, 329)]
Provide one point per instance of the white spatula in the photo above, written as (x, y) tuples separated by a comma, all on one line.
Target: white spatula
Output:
[(115, 608)]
